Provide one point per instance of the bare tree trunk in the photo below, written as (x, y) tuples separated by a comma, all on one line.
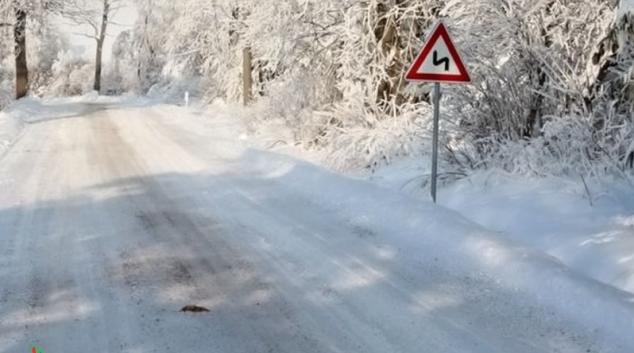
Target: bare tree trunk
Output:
[(100, 42), (539, 80), (247, 75), (21, 68), (388, 42), (391, 49)]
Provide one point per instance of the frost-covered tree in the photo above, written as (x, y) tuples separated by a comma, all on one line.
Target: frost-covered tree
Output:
[(547, 75), (531, 68), (123, 57), (70, 75), (611, 90), (19, 15), (328, 68), (15, 14), (97, 16), (147, 39), (44, 45)]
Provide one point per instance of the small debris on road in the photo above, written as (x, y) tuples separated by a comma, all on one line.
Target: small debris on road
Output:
[(194, 309)]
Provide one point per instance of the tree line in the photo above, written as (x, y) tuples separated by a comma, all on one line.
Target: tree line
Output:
[(551, 91), (95, 14)]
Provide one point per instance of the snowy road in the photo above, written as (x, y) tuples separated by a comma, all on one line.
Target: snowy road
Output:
[(112, 220)]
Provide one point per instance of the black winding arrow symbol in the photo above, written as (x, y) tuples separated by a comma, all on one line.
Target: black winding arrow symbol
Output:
[(441, 61)]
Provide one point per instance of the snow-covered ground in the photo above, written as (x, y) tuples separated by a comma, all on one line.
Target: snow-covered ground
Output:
[(113, 216), (11, 125), (556, 217), (590, 230)]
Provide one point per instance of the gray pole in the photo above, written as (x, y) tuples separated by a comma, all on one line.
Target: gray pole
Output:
[(434, 165)]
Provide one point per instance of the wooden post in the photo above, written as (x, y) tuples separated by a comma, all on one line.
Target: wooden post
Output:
[(247, 77)]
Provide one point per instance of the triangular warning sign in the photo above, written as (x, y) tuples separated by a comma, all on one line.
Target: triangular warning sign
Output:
[(439, 61)]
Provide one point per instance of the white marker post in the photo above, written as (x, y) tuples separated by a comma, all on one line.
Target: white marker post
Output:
[(438, 61)]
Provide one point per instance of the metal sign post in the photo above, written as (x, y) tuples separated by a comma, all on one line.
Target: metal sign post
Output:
[(434, 163), (438, 61)]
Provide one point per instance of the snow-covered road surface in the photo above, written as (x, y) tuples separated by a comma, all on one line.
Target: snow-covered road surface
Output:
[(114, 218)]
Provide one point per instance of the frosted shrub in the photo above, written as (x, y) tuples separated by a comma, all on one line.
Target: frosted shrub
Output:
[(357, 147), (530, 108), (71, 76)]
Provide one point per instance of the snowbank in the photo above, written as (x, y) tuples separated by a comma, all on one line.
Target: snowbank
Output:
[(588, 230), (419, 236), (12, 122)]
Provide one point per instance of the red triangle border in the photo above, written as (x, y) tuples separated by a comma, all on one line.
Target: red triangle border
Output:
[(440, 30)]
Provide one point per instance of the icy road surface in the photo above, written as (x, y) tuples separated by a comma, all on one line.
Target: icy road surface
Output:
[(113, 218)]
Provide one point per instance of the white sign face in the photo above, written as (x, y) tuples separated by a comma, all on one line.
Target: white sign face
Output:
[(439, 60)]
